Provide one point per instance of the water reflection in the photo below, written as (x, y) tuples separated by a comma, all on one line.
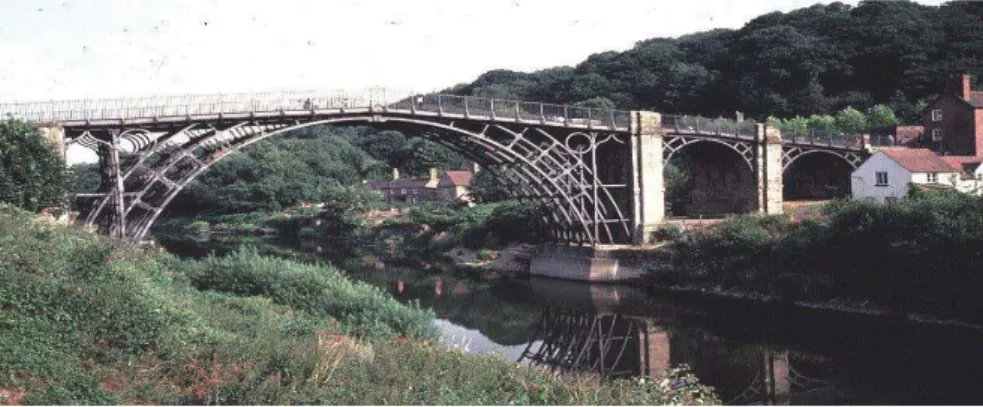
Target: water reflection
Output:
[(751, 354)]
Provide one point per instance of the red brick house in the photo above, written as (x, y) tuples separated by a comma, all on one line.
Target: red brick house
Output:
[(953, 122)]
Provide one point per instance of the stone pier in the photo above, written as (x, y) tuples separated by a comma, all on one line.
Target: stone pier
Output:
[(593, 263), (648, 186), (768, 169)]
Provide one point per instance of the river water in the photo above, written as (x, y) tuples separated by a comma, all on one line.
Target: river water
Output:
[(750, 353)]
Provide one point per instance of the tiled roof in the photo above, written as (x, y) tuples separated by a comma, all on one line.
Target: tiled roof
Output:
[(402, 183), (456, 178), (918, 159), (976, 99), (908, 134), (966, 163)]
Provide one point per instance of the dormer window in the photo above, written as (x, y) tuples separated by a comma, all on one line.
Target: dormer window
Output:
[(937, 115)]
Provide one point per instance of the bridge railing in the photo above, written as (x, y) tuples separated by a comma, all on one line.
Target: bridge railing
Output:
[(702, 125), (202, 104), (503, 109), (822, 137), (403, 100)]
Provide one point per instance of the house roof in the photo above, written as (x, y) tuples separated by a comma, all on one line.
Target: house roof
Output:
[(918, 159), (456, 178), (968, 103), (402, 183), (976, 99), (908, 134), (966, 163)]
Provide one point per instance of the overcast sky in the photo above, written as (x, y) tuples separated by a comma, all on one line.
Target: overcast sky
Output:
[(66, 49)]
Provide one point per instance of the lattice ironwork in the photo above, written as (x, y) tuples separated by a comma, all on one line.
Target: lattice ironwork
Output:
[(555, 166), (571, 340), (671, 144), (791, 153)]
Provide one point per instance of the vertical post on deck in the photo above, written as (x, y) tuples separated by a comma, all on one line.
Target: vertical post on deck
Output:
[(648, 186)]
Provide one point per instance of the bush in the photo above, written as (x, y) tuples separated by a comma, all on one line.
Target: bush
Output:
[(317, 289), (32, 172), (667, 233), (922, 254), (89, 321)]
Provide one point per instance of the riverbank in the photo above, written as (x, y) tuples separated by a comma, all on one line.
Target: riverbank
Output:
[(921, 258), (87, 320)]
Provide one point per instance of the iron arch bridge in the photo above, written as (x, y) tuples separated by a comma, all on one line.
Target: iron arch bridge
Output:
[(598, 171)]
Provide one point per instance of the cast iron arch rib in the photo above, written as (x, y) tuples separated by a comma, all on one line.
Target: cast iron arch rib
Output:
[(541, 164), (792, 153), (744, 148)]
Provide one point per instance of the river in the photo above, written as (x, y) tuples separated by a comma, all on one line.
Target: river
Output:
[(750, 353)]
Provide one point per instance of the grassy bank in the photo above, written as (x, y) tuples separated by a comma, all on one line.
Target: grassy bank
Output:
[(923, 254), (85, 320)]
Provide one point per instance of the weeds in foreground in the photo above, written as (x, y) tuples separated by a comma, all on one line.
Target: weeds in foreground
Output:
[(88, 321)]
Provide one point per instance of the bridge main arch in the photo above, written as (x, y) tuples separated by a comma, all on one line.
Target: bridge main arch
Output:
[(721, 175), (557, 167), (817, 173)]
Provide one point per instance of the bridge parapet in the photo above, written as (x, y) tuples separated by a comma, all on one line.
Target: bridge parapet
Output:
[(289, 104), (697, 125)]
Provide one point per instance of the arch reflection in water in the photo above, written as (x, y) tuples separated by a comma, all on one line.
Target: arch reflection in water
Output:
[(583, 341), (598, 335)]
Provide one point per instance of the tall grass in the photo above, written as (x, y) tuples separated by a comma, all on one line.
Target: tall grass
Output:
[(84, 320)]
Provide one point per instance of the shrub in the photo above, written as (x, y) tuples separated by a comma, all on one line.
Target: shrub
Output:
[(667, 233), (318, 289), (32, 173), (89, 321)]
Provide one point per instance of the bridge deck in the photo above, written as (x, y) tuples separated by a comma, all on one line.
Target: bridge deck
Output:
[(164, 112)]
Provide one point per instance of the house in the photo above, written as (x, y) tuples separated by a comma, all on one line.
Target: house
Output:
[(886, 174), (452, 186), (972, 176), (953, 122), (902, 136)]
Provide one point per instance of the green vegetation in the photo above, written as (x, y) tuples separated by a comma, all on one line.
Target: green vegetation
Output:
[(813, 60), (923, 254), (32, 174), (89, 321)]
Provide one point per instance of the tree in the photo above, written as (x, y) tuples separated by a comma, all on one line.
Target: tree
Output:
[(851, 121), (32, 172), (881, 116), (485, 187), (599, 102), (821, 122)]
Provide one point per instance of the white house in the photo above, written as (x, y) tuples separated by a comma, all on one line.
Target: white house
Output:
[(972, 177), (886, 175)]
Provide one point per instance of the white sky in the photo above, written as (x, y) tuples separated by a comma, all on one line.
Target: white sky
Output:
[(67, 49)]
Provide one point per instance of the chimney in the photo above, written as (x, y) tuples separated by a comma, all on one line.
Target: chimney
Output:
[(959, 85), (433, 175), (395, 174)]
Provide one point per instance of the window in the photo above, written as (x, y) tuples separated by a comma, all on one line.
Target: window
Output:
[(933, 177), (881, 178), (979, 176), (402, 192), (937, 115), (891, 199), (936, 134)]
